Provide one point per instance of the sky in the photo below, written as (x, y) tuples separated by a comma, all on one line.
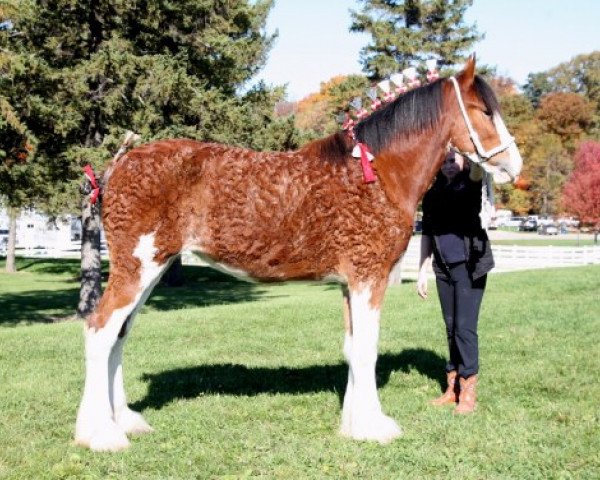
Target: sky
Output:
[(521, 37)]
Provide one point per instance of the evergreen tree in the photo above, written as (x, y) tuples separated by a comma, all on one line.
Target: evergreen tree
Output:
[(405, 32), (92, 70), (17, 174)]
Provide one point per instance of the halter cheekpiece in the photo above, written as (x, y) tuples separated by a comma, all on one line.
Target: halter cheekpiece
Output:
[(480, 155)]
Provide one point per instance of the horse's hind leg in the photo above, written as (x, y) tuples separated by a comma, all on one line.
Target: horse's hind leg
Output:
[(129, 421), (104, 418)]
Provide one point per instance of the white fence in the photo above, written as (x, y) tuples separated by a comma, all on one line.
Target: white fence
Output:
[(514, 257)]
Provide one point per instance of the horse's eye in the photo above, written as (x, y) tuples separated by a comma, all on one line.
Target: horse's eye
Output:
[(488, 113)]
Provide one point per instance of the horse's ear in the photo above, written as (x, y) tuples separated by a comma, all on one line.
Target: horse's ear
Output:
[(468, 74)]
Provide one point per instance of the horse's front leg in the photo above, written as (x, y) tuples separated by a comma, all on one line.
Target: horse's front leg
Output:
[(362, 417)]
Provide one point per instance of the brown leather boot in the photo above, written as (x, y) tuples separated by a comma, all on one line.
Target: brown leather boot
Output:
[(468, 396), (451, 393)]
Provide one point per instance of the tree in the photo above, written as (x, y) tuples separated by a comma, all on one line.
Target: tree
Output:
[(408, 31), (579, 75), (581, 194), (20, 180), (560, 107), (516, 111), (518, 114), (547, 169), (567, 115), (162, 69), (316, 113), (537, 85)]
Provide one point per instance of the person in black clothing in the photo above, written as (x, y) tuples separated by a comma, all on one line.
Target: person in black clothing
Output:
[(454, 238)]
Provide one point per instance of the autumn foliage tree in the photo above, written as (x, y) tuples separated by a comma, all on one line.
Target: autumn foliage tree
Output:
[(581, 194), (557, 109), (566, 114), (316, 113)]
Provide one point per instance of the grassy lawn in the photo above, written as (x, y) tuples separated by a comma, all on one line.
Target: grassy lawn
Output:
[(244, 381)]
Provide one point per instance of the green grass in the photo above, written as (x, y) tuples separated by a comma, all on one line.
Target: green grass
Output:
[(245, 381)]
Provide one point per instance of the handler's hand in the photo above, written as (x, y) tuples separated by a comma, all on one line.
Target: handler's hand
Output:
[(422, 285)]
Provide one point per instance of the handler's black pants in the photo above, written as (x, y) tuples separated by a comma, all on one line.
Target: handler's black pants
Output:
[(460, 298)]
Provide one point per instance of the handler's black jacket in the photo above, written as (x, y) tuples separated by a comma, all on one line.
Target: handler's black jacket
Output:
[(454, 208)]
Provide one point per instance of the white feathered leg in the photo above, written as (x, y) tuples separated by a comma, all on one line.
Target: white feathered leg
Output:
[(104, 418), (362, 417), (95, 427), (129, 421)]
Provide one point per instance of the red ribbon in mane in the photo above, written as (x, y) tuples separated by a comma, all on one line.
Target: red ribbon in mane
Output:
[(91, 176), (365, 163)]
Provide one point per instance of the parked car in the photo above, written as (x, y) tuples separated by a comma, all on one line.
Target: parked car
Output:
[(548, 229), (514, 222), (545, 220), (499, 219), (568, 222), (529, 225)]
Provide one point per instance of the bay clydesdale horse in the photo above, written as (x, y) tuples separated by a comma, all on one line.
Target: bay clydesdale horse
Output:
[(305, 214)]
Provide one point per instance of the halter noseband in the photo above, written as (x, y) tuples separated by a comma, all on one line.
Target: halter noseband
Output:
[(481, 155)]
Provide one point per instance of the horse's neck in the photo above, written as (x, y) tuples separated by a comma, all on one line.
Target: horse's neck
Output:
[(407, 167)]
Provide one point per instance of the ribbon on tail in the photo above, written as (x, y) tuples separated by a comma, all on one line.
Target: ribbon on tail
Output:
[(365, 162), (91, 176)]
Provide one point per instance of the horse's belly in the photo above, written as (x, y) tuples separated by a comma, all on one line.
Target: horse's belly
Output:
[(268, 269), (226, 268)]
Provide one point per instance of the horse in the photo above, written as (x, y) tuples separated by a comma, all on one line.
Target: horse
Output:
[(300, 215)]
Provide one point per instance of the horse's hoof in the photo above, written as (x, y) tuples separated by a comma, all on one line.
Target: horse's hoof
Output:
[(380, 428), (133, 423), (108, 439)]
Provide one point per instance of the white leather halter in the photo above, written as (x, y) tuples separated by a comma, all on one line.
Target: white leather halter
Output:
[(481, 155)]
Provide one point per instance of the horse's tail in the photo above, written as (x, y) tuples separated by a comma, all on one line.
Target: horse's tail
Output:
[(94, 185), (128, 142)]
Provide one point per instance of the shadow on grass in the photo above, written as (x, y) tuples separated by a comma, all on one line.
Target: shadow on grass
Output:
[(69, 267), (203, 287), (37, 306), (239, 380)]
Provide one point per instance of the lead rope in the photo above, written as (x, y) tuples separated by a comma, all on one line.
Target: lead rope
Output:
[(487, 201)]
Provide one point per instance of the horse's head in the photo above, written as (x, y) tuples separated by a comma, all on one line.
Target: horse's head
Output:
[(478, 131)]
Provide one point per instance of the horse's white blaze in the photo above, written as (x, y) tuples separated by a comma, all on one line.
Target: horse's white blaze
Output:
[(512, 167), (103, 417), (507, 170), (362, 417)]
